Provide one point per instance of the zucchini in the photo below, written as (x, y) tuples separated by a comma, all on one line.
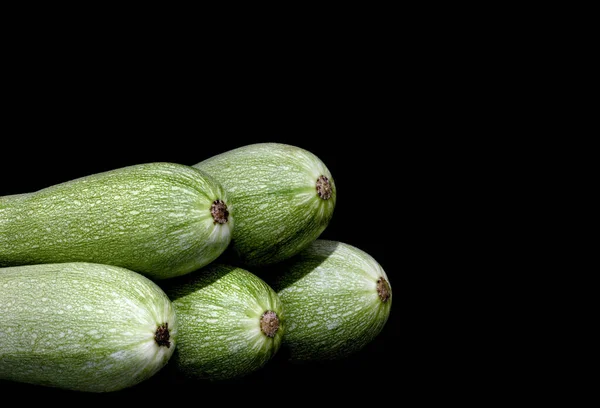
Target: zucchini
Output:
[(284, 198), (159, 219), (230, 322), (337, 298), (83, 326)]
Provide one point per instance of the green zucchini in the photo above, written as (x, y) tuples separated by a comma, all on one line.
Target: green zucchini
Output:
[(83, 326), (230, 322), (284, 198), (337, 298), (158, 219)]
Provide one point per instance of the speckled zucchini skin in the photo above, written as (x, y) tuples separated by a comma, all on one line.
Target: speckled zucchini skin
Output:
[(284, 198), (83, 326), (220, 311), (337, 298), (153, 218)]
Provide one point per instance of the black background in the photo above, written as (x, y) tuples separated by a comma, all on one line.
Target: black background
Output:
[(355, 136)]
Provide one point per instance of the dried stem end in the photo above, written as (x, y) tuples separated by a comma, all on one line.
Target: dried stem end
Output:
[(219, 212), (324, 189), (269, 323), (162, 335), (383, 290)]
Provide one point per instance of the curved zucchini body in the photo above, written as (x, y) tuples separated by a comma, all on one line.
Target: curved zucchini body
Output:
[(337, 298), (284, 198), (83, 326), (159, 219), (230, 322)]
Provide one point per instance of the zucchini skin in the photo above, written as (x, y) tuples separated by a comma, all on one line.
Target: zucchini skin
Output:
[(333, 295), (153, 218), (274, 189), (82, 326), (220, 310)]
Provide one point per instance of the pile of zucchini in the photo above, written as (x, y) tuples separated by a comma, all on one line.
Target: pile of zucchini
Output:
[(214, 267)]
